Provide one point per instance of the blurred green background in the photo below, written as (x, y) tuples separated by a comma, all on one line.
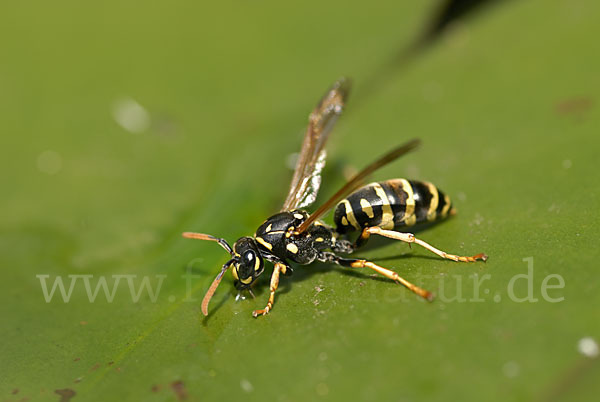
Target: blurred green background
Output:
[(125, 123)]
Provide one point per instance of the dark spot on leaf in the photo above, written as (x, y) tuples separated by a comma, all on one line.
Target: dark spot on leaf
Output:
[(111, 363), (95, 367), (65, 394), (78, 379), (179, 388), (15, 391), (76, 359), (156, 388), (574, 106)]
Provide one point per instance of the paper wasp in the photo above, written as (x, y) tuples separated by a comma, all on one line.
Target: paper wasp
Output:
[(375, 209)]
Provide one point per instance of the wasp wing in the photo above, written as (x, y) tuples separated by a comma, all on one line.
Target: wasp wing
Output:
[(307, 174), (357, 180)]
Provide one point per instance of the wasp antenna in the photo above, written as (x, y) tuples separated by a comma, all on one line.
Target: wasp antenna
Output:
[(201, 236), (213, 287)]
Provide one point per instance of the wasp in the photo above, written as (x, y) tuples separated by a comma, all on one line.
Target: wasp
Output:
[(293, 235)]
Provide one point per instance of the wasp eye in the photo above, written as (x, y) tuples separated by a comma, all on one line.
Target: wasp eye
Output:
[(249, 257)]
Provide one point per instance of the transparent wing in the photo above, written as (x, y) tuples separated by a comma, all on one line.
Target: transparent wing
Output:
[(357, 180), (307, 175)]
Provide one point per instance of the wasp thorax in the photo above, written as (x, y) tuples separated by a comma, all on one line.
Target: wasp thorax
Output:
[(248, 263)]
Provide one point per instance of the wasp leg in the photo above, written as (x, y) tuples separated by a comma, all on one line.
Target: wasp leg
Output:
[(274, 283), (359, 263), (362, 239), (410, 238)]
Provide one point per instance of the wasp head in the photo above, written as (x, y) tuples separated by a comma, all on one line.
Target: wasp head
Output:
[(248, 263)]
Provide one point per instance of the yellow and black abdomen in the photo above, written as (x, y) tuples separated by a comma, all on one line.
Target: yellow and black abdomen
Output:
[(391, 204)]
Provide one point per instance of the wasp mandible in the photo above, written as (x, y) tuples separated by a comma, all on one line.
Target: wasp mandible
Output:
[(294, 235)]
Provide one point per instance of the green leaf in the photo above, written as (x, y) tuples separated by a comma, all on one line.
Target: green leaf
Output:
[(126, 124)]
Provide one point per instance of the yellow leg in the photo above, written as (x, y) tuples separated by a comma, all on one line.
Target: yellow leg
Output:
[(393, 276), (273, 288), (359, 263), (410, 238)]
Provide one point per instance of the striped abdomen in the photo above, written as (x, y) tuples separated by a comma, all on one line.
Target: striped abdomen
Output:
[(390, 205)]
